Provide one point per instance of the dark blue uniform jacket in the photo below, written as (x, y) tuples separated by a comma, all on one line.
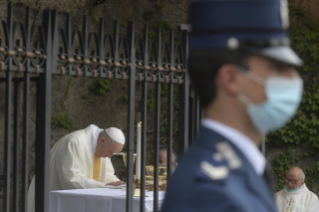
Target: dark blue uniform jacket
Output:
[(198, 187)]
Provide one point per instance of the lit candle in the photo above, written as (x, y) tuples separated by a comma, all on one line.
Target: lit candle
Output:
[(138, 152)]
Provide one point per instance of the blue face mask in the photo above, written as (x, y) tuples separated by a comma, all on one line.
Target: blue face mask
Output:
[(296, 189), (283, 98)]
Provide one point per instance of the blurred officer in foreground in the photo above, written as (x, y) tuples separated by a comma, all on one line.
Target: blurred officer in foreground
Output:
[(242, 68)]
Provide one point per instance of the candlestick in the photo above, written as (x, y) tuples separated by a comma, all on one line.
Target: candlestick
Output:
[(138, 152), (137, 190)]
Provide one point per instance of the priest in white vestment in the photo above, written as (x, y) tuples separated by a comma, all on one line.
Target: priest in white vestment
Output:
[(81, 160), (163, 158), (296, 197)]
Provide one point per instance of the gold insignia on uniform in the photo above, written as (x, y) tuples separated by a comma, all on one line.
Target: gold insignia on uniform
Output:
[(227, 151), (213, 172)]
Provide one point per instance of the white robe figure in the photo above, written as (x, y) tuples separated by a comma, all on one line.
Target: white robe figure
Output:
[(302, 200), (72, 162)]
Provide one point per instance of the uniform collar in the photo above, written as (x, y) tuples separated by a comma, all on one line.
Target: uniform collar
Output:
[(241, 141), (95, 134)]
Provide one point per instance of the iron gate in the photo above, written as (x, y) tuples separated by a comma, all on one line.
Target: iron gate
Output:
[(159, 69)]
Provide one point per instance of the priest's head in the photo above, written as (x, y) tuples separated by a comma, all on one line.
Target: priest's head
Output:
[(295, 177), (110, 141), (163, 157)]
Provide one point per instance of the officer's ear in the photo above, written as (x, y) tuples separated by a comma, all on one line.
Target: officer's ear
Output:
[(227, 79)]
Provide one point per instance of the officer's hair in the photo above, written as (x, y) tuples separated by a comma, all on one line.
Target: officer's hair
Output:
[(203, 66)]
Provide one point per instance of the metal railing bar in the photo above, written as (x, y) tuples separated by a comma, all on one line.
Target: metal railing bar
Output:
[(16, 145), (9, 29), (184, 97), (170, 128), (170, 108), (7, 139), (156, 143), (43, 117), (158, 55), (144, 121), (143, 146), (25, 151), (131, 113)]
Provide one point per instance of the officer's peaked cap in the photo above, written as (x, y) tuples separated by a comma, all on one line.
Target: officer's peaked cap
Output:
[(252, 26)]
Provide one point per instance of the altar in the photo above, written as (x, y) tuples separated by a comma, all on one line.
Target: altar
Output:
[(98, 200)]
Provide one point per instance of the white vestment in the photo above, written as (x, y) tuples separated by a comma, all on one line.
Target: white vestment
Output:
[(302, 200), (71, 165)]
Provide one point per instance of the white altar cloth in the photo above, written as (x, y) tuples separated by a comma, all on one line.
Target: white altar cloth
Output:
[(97, 200)]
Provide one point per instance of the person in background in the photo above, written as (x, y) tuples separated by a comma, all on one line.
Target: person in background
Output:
[(295, 196), (163, 157), (81, 160)]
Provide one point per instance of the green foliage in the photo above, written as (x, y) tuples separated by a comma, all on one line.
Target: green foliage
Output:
[(66, 94), (93, 100), (152, 33), (165, 26), (138, 52), (302, 15), (305, 41), (151, 100), (175, 97), (303, 128), (62, 120), (90, 12), (86, 96), (281, 165), (159, 6), (101, 87), (153, 10), (164, 109), (311, 178)]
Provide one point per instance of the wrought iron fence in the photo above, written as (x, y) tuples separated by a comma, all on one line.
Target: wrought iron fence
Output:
[(158, 62)]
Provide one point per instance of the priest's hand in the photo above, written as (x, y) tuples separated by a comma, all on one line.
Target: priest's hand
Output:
[(116, 183)]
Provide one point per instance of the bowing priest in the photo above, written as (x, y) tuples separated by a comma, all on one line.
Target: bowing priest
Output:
[(81, 160), (295, 196)]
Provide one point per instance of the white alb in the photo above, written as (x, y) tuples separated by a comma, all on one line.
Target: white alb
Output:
[(71, 165), (302, 200)]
